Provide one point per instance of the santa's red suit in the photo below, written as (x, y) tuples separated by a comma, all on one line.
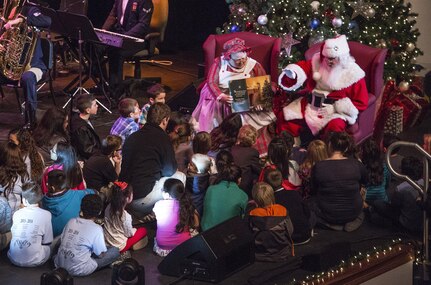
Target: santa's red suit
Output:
[(342, 85)]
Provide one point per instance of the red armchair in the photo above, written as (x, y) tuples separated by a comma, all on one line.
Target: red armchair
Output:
[(372, 61), (265, 50)]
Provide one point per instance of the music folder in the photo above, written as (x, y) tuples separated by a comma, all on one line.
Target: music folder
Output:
[(56, 24), (73, 23)]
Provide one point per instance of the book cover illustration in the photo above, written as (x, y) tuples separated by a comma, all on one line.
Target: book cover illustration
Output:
[(250, 92)]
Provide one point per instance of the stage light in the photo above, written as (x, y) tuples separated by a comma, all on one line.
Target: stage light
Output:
[(58, 276), (129, 272)]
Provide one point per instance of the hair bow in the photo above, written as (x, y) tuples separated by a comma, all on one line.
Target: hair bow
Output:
[(122, 185)]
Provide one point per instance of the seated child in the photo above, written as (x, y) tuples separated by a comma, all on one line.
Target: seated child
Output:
[(126, 124), (177, 219), (118, 229), (156, 94), (31, 230), (271, 225), (378, 173), (105, 166), (298, 210), (224, 199), (63, 204), (201, 146), (83, 136), (247, 157), (404, 208), (181, 141), (5, 223), (82, 239)]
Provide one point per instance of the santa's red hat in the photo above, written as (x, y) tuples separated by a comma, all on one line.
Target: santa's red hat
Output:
[(335, 47), (233, 46)]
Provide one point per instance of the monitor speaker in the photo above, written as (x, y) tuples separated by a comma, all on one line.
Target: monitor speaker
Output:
[(184, 101), (212, 255)]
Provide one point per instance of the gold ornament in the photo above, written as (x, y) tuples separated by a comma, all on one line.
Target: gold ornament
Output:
[(404, 86), (382, 44), (410, 47), (370, 12)]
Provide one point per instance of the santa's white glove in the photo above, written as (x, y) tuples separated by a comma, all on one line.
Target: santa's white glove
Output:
[(258, 108), (290, 73), (326, 110)]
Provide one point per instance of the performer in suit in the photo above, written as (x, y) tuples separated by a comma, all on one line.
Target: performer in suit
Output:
[(131, 18), (30, 77)]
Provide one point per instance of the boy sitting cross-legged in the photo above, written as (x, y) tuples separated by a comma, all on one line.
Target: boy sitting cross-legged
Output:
[(31, 230), (83, 250)]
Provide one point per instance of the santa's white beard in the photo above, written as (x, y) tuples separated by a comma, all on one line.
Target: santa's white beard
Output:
[(329, 75)]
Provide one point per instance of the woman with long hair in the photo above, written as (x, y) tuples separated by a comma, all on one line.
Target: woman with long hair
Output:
[(13, 174), (51, 129), (66, 160)]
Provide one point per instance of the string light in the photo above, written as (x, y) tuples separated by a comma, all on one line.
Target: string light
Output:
[(372, 258)]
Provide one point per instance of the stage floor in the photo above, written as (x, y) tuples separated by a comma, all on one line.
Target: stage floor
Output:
[(182, 73)]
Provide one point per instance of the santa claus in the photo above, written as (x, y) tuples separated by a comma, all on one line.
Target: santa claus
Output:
[(334, 88)]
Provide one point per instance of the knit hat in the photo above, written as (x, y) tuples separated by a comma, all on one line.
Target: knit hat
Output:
[(233, 46)]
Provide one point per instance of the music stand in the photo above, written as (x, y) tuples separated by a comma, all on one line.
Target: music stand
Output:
[(79, 27)]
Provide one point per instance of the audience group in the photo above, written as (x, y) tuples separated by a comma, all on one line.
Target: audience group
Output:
[(70, 196)]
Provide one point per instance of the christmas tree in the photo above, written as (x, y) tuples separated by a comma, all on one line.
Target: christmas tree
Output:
[(302, 23)]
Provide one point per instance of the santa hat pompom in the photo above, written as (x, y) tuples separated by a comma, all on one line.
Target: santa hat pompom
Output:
[(317, 76)]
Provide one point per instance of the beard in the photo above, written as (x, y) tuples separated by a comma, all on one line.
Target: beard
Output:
[(331, 73)]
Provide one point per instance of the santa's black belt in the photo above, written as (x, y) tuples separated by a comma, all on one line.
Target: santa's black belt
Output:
[(325, 101)]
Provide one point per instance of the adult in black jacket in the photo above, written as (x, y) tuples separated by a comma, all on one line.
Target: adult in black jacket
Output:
[(30, 77), (148, 160), (131, 18), (82, 134), (336, 186)]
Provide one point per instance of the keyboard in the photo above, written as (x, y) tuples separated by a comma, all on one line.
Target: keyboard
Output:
[(117, 40)]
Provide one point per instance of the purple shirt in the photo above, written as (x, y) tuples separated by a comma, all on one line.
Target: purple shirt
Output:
[(124, 127), (167, 215)]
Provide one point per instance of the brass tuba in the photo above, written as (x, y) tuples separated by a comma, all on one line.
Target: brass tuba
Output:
[(17, 44)]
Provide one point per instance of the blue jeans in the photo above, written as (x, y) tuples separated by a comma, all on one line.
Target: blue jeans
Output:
[(111, 255), (28, 84)]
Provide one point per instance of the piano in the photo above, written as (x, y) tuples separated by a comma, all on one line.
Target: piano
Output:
[(118, 40)]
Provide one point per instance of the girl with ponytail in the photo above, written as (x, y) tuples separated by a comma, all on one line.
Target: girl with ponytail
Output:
[(177, 219), (118, 229)]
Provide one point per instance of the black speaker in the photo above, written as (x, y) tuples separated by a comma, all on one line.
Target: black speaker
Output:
[(212, 255), (186, 99)]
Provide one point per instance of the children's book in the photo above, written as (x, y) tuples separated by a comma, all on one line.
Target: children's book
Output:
[(249, 92)]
